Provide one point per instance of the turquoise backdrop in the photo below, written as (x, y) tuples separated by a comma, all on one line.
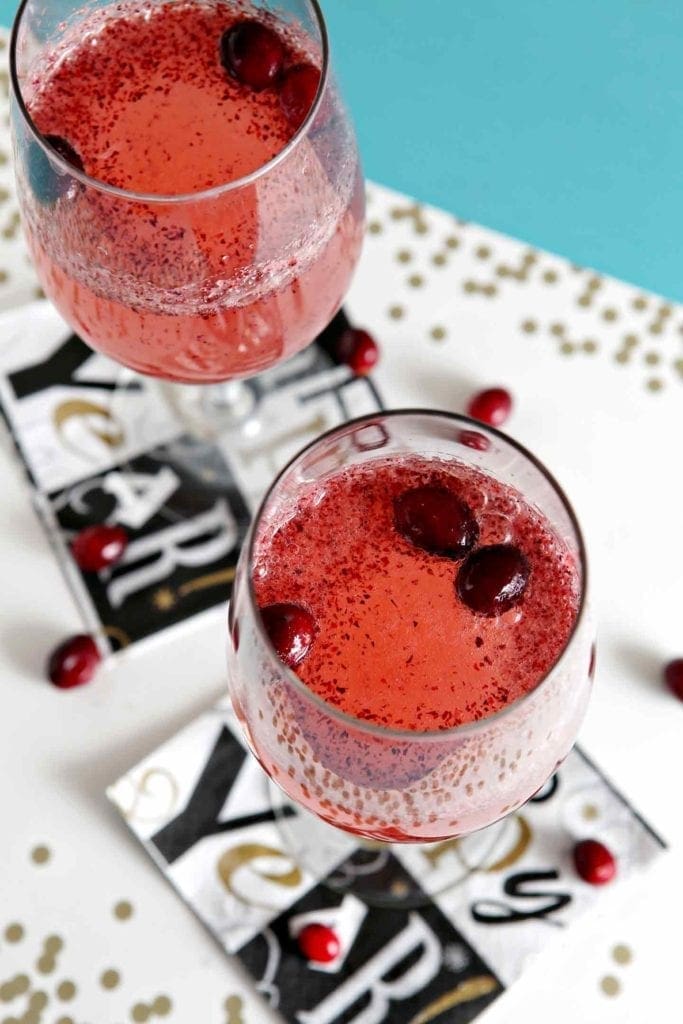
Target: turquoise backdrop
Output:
[(560, 123)]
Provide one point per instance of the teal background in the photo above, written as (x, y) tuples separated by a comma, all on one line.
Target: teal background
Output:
[(559, 123)]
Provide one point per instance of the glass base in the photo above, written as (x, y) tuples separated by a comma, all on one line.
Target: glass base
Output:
[(383, 874)]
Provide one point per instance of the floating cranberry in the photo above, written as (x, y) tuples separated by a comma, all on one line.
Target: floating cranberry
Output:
[(47, 183), (298, 91), (291, 630), (358, 350), (673, 677), (435, 519), (594, 862), (319, 943), (99, 547), (473, 439), (252, 53), (74, 662), (492, 406), (493, 579)]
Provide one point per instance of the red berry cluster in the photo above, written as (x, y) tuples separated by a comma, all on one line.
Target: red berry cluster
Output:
[(256, 56), (492, 579)]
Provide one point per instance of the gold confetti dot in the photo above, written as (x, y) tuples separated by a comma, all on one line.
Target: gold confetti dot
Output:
[(567, 348), (3, 276), (503, 271), (140, 1012), (665, 311), (162, 1006), (21, 983), (590, 812), (652, 358), (396, 312), (610, 985), (123, 910), (65, 1020), (482, 252), (452, 242), (40, 854), (374, 227), (399, 888), (594, 283), (14, 932), (46, 965), (397, 213), (53, 944), (630, 340), (622, 357), (590, 346), (655, 328), (38, 1001), (438, 333), (609, 314), (584, 300), (550, 277), (640, 302), (489, 289), (655, 384), (439, 259), (416, 281), (622, 954), (421, 228), (469, 286), (557, 329), (530, 258), (404, 256), (110, 978), (66, 990), (6, 991), (3, 157), (678, 366), (529, 326), (233, 1006)]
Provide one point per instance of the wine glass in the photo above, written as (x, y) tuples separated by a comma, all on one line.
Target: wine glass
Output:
[(199, 287), (343, 780)]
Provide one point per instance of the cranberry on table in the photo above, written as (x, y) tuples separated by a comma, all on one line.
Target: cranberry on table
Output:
[(493, 579), (74, 662), (99, 547), (435, 519), (252, 53), (291, 630), (298, 91), (492, 406), (594, 862), (319, 943), (358, 350), (673, 677)]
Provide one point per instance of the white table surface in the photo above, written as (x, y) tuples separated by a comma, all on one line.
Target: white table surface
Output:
[(612, 440)]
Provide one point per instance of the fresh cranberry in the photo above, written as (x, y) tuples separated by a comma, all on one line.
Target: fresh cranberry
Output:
[(291, 630), (492, 406), (473, 439), (99, 547), (65, 150), (673, 677), (358, 350), (493, 579), (594, 862), (319, 943), (252, 53), (47, 183), (298, 91), (74, 662), (437, 520)]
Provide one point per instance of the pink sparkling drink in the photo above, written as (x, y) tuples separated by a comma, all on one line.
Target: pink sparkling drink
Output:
[(188, 224), (421, 699)]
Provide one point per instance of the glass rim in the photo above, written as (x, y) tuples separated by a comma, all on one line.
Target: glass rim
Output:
[(185, 197), (415, 735)]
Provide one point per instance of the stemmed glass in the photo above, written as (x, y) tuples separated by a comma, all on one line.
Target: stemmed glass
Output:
[(343, 781), (204, 288)]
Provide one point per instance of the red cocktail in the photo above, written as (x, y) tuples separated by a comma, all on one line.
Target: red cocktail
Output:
[(188, 179), (410, 653)]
